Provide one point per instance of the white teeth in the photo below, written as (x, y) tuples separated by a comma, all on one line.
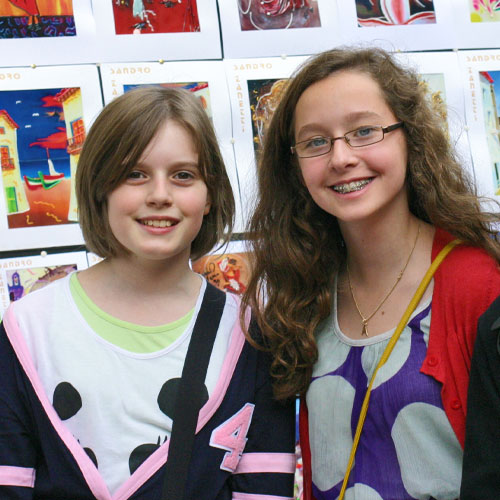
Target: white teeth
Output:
[(351, 186), (158, 223)]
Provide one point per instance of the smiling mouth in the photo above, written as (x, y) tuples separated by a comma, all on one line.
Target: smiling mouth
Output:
[(158, 223), (351, 186)]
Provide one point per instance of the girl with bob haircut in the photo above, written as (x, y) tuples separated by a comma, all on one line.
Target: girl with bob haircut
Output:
[(102, 371), (359, 191)]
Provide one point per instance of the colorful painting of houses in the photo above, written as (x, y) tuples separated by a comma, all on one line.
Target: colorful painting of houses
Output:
[(36, 18), (489, 82), (41, 137), (15, 195)]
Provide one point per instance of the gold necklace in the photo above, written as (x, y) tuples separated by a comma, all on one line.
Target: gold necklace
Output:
[(364, 320)]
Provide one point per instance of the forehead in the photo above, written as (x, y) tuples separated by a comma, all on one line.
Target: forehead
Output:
[(172, 139), (345, 98)]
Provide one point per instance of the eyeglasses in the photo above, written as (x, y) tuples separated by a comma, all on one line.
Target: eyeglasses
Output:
[(363, 136)]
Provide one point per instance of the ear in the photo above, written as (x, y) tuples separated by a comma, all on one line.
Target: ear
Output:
[(208, 205)]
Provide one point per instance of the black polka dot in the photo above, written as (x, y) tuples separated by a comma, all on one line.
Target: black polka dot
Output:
[(91, 455), (141, 453), (67, 400), (168, 393)]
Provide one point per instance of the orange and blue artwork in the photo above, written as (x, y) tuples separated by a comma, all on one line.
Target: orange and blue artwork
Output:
[(278, 14), (395, 12), (136, 17), (41, 136), (36, 18)]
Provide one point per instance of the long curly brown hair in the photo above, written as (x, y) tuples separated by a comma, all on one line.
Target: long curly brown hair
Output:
[(298, 248)]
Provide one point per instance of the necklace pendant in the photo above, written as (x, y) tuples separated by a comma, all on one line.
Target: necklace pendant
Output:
[(364, 331)]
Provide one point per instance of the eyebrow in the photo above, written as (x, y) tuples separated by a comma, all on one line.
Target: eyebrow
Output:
[(348, 120)]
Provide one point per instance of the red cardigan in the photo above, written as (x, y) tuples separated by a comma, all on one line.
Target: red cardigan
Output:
[(465, 284)]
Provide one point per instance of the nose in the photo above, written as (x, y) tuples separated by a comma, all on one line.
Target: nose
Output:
[(341, 155), (160, 192)]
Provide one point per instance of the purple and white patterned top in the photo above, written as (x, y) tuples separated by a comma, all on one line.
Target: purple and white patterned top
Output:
[(408, 449)]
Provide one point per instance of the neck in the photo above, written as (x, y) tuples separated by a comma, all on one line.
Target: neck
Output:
[(374, 248), (128, 275), (147, 293)]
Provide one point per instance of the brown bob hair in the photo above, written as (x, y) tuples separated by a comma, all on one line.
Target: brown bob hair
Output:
[(114, 145), (298, 248)]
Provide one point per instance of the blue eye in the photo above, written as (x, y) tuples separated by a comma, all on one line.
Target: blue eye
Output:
[(316, 142), (363, 132)]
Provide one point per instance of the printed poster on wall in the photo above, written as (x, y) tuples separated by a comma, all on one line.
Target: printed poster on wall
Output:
[(153, 30), (481, 77), (440, 72), (252, 28), (399, 24), (255, 86), (45, 32), (228, 267), (478, 24), (22, 275), (205, 79), (45, 114)]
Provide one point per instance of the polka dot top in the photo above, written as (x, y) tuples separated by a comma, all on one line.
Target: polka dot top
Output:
[(407, 448)]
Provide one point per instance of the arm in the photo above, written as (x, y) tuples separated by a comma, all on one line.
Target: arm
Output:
[(17, 450), (267, 465), (481, 468)]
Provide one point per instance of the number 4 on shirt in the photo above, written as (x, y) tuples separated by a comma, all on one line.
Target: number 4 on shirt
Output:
[(232, 436)]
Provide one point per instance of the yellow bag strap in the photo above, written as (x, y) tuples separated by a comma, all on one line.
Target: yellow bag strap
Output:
[(387, 352)]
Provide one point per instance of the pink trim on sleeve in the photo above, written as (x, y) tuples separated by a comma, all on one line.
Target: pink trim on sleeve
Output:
[(17, 476), (266, 462), (255, 496)]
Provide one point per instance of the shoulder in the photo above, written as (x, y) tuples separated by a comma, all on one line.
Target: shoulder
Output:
[(43, 295), (38, 307), (467, 271)]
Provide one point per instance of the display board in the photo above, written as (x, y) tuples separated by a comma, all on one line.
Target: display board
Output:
[(252, 28), (45, 32), (481, 76), (156, 30), (254, 86), (236, 55), (44, 115), (399, 25), (441, 73)]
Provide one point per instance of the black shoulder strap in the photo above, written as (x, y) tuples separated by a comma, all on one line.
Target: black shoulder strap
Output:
[(496, 326), (189, 397)]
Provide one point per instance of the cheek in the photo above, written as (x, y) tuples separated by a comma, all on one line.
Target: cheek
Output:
[(312, 176)]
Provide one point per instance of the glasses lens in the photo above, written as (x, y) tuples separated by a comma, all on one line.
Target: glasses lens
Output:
[(315, 146), (365, 136)]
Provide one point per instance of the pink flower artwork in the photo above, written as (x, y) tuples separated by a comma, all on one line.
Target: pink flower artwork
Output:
[(395, 12)]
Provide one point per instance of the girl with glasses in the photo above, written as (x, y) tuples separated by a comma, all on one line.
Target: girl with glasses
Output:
[(359, 190)]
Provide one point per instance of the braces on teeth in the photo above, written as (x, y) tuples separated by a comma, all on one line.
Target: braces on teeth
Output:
[(352, 186)]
